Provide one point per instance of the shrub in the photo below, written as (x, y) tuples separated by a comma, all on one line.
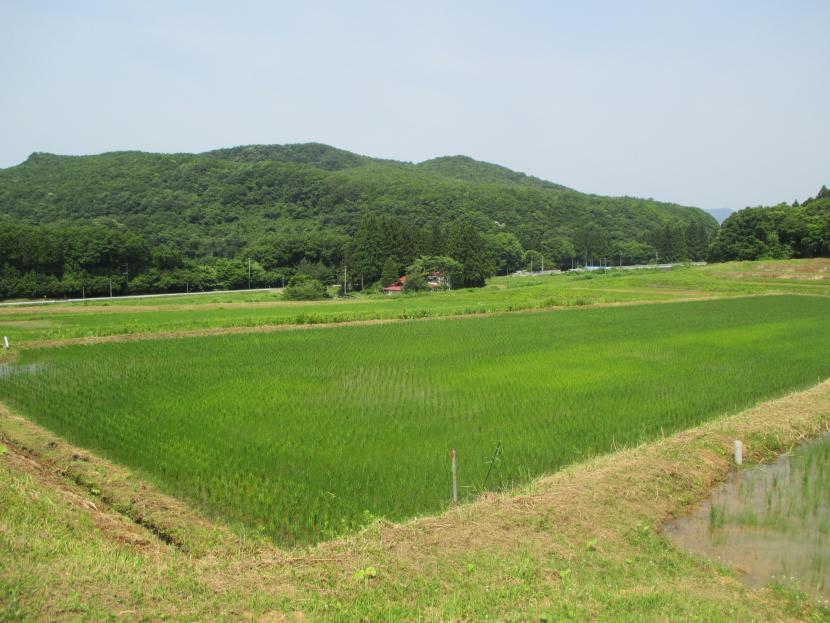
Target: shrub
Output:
[(415, 282), (304, 288)]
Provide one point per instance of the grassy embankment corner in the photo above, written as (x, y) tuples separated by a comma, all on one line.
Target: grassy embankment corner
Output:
[(81, 539)]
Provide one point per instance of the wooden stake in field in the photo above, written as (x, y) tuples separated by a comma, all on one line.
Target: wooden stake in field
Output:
[(454, 478), (5, 341), (739, 451)]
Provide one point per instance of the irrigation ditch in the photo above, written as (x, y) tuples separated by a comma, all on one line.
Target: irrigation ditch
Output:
[(769, 522)]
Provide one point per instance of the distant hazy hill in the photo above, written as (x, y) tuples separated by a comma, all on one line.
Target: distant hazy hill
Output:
[(217, 202), (720, 214)]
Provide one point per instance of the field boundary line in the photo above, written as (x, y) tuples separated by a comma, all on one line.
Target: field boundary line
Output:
[(106, 486), (290, 326)]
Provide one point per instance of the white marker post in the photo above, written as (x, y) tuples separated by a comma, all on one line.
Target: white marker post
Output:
[(454, 479), (5, 341), (739, 452)]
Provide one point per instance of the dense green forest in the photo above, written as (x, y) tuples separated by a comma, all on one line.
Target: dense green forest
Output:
[(777, 232), (167, 222)]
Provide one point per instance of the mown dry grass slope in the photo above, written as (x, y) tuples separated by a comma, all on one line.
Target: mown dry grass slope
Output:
[(581, 544)]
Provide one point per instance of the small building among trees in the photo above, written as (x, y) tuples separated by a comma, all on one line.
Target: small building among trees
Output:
[(397, 287), (416, 282)]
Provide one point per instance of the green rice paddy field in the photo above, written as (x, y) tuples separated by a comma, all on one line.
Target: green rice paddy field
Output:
[(301, 435), (249, 309)]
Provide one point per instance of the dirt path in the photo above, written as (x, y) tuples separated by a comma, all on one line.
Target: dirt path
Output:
[(113, 309)]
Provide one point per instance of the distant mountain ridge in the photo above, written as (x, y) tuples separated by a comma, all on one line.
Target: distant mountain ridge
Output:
[(720, 214), (217, 202)]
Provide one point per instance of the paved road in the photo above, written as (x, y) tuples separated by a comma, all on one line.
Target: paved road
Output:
[(134, 296)]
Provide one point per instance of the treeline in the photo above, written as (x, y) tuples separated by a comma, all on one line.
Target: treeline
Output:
[(93, 260), (777, 232), (74, 261)]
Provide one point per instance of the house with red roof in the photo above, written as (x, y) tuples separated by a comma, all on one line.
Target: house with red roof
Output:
[(395, 287), (434, 280)]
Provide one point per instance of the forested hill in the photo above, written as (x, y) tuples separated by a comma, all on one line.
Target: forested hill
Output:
[(776, 232), (218, 203)]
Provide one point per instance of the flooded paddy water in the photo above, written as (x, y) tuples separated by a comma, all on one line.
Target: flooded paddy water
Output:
[(771, 523), (10, 369)]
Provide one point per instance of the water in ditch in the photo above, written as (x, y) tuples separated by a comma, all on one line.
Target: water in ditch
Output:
[(770, 523)]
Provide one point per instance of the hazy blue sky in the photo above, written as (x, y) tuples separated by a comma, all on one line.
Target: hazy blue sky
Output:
[(714, 104)]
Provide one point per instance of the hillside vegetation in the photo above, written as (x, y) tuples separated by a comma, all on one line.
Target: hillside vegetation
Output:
[(166, 222), (217, 202), (777, 232)]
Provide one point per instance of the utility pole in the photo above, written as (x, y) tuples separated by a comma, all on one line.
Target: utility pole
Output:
[(249, 273), (110, 287), (344, 280)]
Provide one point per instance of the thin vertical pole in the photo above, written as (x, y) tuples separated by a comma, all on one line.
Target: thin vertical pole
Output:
[(6, 343), (249, 273), (739, 448), (454, 479)]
